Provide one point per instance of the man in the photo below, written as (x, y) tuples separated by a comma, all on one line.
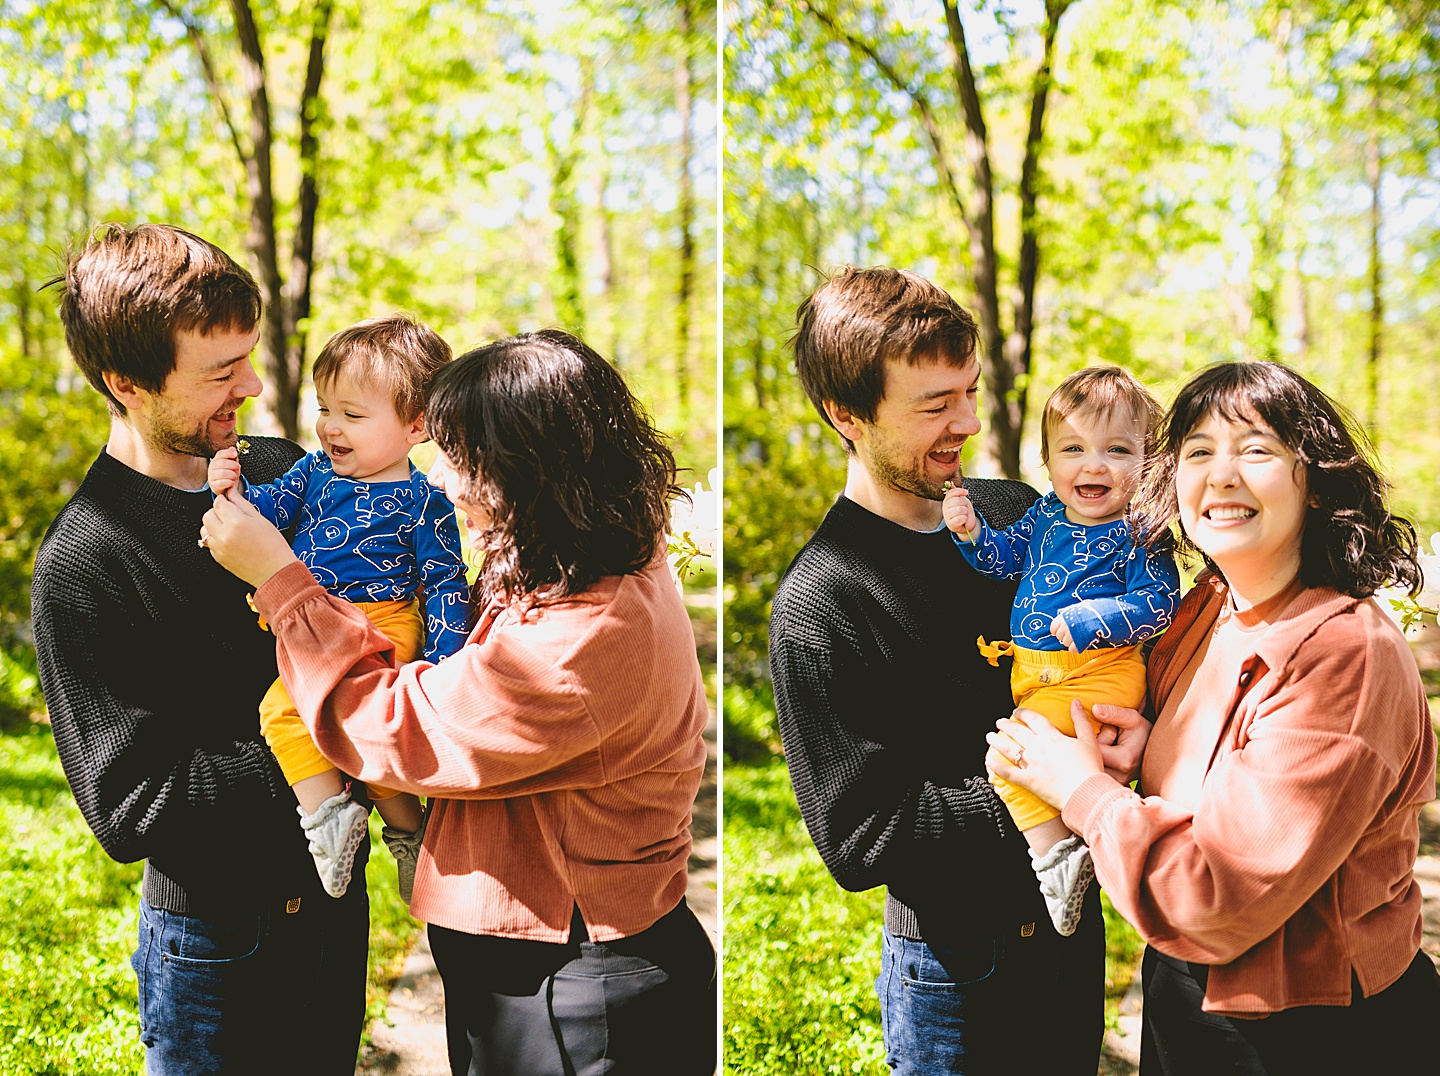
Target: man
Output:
[(153, 667), (884, 700)]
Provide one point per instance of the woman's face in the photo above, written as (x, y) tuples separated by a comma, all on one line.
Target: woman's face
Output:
[(443, 475), (1242, 501)]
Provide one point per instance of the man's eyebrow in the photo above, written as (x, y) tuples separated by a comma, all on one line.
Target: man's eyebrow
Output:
[(220, 364), (934, 394)]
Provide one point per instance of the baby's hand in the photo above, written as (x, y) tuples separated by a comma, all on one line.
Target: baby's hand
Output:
[(224, 472), (1061, 631), (960, 515)]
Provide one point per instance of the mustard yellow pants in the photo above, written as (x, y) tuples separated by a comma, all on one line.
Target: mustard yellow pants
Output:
[(286, 733), (1046, 681)]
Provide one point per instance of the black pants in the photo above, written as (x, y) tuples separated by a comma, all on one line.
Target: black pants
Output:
[(1383, 1033), (641, 1005)]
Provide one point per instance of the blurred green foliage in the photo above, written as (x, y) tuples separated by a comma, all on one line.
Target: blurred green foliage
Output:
[(1205, 195)]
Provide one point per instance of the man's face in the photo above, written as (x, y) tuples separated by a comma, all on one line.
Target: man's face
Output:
[(193, 414), (924, 419)]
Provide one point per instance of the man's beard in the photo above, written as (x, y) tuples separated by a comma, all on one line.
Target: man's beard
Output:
[(912, 480), (168, 437)]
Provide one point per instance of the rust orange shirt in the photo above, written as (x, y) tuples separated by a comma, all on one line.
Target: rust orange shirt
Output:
[(1276, 836), (561, 745)]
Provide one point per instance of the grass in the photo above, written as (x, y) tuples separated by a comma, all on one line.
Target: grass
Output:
[(801, 954), (67, 928)]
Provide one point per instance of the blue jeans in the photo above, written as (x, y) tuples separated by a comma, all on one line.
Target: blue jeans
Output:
[(270, 992), (996, 1001)]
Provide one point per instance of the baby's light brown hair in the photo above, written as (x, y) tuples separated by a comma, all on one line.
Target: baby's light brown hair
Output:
[(1099, 390), (394, 353)]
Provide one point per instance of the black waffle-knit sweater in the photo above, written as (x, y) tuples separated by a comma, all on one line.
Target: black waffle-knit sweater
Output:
[(153, 667), (884, 701)]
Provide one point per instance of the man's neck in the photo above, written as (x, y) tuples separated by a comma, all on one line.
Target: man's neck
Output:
[(130, 448), (906, 509)]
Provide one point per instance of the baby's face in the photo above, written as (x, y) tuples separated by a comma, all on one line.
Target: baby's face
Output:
[(361, 433), (1094, 464)]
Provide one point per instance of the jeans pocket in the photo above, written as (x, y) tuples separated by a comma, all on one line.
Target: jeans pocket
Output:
[(949, 966), (214, 940), (198, 987)]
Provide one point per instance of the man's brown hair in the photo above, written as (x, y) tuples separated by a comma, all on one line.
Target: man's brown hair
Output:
[(126, 294), (862, 317), (394, 353), (1099, 390)]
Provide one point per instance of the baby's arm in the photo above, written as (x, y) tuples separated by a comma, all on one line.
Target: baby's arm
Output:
[(998, 554), (1145, 609), (224, 471), (960, 514)]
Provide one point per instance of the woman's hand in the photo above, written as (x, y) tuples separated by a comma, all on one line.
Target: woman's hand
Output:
[(1122, 738), (243, 541), (1030, 752)]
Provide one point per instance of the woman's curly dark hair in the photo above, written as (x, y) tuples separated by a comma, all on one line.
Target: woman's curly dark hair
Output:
[(550, 442), (1351, 540)]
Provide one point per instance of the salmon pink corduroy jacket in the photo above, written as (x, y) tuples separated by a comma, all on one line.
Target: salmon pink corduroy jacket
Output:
[(1295, 867), (561, 747)]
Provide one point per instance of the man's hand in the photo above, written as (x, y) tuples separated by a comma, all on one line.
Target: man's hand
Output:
[(960, 514), (224, 471), (1122, 737)]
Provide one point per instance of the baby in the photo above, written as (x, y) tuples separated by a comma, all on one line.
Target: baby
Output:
[(374, 532), (1087, 597)]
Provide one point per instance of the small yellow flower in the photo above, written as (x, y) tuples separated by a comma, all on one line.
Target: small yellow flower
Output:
[(242, 446)]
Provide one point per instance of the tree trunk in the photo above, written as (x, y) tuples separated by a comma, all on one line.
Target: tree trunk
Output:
[(296, 307), (1018, 345), (1373, 170), (684, 80), (757, 279), (569, 309), (1007, 356), (260, 240)]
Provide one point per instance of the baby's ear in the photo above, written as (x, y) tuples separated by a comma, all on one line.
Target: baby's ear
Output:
[(415, 434)]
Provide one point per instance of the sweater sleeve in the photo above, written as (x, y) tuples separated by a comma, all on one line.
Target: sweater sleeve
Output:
[(490, 722), (280, 501), (1001, 553), (442, 574), (1277, 815), (149, 778), (874, 818), (1152, 590)]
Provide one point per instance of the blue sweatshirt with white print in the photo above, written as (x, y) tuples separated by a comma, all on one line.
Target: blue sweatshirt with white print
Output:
[(375, 541), (1112, 592)]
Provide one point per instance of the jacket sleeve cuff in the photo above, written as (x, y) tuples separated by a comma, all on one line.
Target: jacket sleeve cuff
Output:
[(288, 588), (1088, 802)]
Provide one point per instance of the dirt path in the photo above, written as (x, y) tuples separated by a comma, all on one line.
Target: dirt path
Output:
[(410, 1041)]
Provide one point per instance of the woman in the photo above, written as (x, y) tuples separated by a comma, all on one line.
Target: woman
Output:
[(1269, 864), (560, 747)]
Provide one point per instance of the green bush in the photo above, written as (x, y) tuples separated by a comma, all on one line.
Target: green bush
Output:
[(782, 475)]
